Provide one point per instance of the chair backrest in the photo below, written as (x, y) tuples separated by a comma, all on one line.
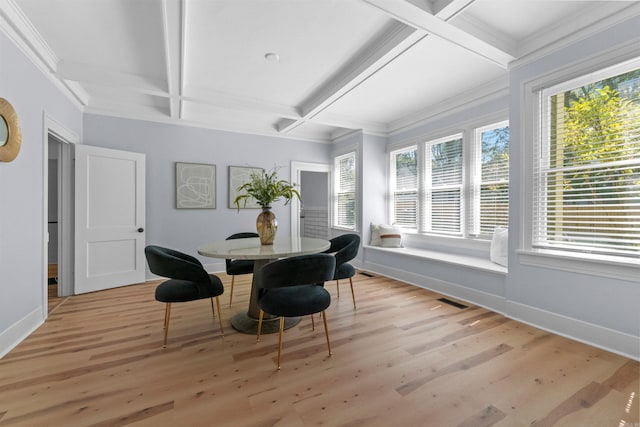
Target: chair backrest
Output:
[(298, 270), (173, 264), (244, 235), (345, 247)]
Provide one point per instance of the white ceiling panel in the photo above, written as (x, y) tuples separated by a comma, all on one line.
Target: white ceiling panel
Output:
[(431, 72), (343, 65), (116, 35), (227, 42)]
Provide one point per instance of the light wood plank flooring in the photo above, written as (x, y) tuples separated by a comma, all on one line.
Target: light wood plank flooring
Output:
[(403, 358)]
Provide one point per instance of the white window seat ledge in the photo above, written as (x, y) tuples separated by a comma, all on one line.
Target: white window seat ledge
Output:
[(468, 261)]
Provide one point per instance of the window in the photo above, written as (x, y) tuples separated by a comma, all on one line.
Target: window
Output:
[(404, 185), (491, 190), (435, 188), (345, 191), (443, 186), (587, 166)]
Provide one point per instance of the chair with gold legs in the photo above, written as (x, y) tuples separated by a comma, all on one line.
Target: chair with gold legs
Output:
[(289, 288), (188, 281), (235, 267), (344, 248)]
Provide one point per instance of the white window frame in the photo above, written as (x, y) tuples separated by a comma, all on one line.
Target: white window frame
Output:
[(603, 266), (471, 175), (393, 184), (424, 218), (337, 191), (476, 179)]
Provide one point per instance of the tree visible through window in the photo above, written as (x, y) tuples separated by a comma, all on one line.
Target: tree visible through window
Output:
[(493, 201), (405, 187), (588, 174), (443, 186)]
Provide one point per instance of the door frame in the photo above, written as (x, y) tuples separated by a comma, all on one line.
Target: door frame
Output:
[(51, 126), (296, 174)]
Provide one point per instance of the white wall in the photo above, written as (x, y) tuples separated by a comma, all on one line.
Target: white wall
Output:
[(23, 214), (164, 144)]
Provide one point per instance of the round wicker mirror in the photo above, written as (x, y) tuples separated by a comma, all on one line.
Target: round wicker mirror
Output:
[(10, 137)]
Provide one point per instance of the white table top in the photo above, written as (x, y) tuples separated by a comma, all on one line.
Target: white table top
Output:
[(252, 249)]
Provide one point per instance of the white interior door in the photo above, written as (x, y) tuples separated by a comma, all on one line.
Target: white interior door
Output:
[(109, 218)]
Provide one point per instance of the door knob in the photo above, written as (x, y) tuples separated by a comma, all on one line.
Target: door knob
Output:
[(140, 230)]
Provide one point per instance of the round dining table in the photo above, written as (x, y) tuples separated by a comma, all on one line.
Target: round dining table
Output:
[(251, 248)]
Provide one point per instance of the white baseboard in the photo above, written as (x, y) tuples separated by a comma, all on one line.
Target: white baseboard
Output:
[(597, 336), (20, 330), (473, 296), (588, 333)]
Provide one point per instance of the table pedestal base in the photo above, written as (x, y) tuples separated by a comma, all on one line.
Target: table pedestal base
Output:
[(243, 323)]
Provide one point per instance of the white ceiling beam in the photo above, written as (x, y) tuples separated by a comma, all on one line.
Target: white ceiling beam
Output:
[(99, 76), (206, 96), (410, 14), (173, 29), (380, 52), (447, 9)]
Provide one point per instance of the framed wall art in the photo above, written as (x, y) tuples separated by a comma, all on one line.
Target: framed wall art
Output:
[(195, 186), (239, 175)]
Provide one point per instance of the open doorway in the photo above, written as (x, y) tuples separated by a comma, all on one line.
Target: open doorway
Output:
[(310, 217), (57, 256), (314, 214), (53, 266)]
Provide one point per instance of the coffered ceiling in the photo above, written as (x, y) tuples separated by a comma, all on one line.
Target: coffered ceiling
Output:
[(307, 69)]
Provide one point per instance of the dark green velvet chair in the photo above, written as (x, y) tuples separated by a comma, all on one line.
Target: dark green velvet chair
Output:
[(344, 248), (188, 281), (289, 288), (236, 267)]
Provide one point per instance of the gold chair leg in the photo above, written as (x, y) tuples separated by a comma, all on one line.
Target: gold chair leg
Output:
[(326, 331), (338, 287), (167, 317), (219, 315), (280, 340), (313, 323), (233, 279), (212, 310), (259, 325), (353, 295)]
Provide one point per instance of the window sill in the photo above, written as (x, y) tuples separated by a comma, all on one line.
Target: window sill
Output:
[(478, 247), (594, 265), (472, 262)]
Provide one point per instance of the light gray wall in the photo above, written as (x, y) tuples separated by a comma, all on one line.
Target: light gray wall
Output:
[(165, 144), (22, 211), (600, 310), (606, 302), (374, 185)]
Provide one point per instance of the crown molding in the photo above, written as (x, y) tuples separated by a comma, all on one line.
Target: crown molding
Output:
[(26, 38), (535, 49), (218, 126)]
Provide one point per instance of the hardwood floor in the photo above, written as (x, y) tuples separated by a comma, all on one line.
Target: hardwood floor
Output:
[(402, 359)]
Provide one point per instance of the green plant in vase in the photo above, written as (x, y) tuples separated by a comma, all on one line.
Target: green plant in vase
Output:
[(265, 188)]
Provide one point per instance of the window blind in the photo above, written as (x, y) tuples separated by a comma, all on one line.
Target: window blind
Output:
[(587, 167), (443, 186), (345, 206), (405, 187), (492, 159)]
